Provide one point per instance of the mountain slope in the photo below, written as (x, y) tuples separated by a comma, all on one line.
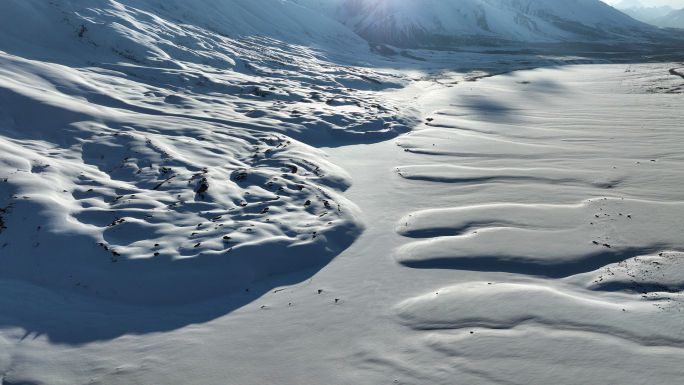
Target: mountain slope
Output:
[(147, 30), (443, 22)]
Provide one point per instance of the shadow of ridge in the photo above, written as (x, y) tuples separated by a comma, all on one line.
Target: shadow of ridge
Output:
[(342, 138), (640, 287), (71, 318), (494, 179), (139, 296), (546, 269), (485, 105)]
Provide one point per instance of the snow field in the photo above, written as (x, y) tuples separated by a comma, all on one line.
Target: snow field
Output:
[(570, 192), (182, 202)]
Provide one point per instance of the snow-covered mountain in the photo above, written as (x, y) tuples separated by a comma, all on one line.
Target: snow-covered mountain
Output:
[(674, 19), (647, 14), (161, 32), (624, 4), (471, 22)]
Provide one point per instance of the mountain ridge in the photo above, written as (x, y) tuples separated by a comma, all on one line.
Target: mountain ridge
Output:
[(413, 23)]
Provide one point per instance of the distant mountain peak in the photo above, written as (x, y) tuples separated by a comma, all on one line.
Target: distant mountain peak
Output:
[(624, 4)]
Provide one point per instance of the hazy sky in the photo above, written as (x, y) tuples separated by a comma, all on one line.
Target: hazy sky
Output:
[(676, 4)]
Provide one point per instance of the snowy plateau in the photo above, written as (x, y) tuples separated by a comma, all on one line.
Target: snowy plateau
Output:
[(339, 192)]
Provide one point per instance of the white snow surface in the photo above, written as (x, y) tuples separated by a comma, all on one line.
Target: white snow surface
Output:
[(240, 192)]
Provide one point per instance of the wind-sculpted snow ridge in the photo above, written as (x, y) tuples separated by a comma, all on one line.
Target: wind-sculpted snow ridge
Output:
[(554, 214), (521, 233), (632, 307), (463, 174), (173, 162), (656, 278), (552, 239), (470, 305)]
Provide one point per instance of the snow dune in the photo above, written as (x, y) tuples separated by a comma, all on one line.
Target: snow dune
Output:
[(506, 306), (552, 239), (568, 204), (461, 174)]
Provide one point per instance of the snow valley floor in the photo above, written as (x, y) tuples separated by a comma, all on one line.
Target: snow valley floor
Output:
[(185, 205), (526, 230)]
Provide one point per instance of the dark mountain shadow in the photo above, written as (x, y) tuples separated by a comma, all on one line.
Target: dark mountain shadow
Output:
[(548, 270), (66, 317)]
